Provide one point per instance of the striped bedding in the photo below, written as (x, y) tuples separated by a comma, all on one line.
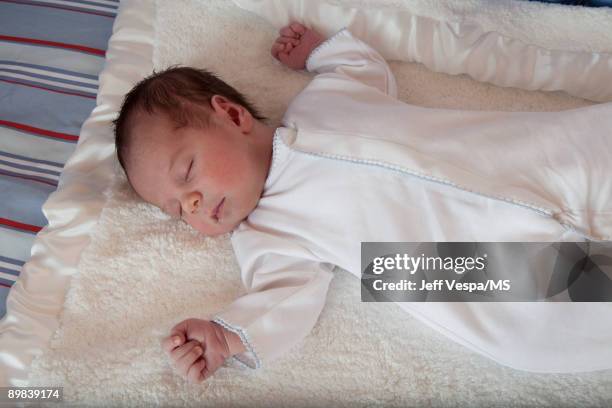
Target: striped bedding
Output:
[(51, 52)]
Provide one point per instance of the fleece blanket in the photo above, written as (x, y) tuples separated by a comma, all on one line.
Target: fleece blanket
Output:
[(143, 272)]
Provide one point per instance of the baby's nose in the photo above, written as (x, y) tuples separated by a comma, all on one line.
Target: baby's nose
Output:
[(192, 202)]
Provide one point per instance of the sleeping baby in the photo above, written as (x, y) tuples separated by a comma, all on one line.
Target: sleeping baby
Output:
[(350, 163)]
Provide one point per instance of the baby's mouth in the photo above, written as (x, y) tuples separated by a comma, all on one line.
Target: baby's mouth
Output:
[(217, 211)]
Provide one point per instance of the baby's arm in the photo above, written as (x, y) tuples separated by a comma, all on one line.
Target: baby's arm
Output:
[(286, 292), (342, 54), (285, 295)]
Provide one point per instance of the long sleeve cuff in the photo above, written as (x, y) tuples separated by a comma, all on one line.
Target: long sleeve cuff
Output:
[(249, 358), (322, 46)]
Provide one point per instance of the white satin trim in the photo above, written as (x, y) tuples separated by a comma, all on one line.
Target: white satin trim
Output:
[(35, 302), (452, 47)]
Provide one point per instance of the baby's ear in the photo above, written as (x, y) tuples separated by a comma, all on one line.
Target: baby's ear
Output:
[(233, 111), (220, 104), (223, 107)]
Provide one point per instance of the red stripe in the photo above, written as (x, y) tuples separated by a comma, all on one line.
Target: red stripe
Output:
[(20, 225), (36, 3), (53, 44), (48, 89), (39, 131), (6, 286)]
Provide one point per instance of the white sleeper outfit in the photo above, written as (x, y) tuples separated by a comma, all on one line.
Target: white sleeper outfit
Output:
[(352, 163)]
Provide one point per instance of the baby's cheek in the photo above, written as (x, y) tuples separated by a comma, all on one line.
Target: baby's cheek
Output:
[(198, 225), (231, 174), (207, 229)]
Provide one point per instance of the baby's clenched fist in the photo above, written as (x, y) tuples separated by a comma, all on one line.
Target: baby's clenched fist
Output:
[(295, 44), (186, 360), (197, 348)]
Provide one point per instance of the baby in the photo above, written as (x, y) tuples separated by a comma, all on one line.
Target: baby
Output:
[(349, 164), (183, 132)]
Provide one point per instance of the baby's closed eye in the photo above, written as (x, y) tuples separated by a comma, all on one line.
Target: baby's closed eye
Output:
[(189, 170)]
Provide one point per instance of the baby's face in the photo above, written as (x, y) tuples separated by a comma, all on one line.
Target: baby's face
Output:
[(211, 178)]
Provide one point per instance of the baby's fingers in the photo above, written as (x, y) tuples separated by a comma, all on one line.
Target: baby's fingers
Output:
[(276, 48), (194, 374), (294, 30), (287, 40), (288, 32), (298, 28), (171, 342), (280, 46), (187, 360)]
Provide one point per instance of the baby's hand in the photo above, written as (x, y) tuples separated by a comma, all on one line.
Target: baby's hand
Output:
[(295, 44), (197, 348), (186, 358)]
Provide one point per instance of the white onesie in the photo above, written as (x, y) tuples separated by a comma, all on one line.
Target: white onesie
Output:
[(352, 163)]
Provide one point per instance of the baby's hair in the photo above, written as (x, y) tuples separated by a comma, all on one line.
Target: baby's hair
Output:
[(183, 93)]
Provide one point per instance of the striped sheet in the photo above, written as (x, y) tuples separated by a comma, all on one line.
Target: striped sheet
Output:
[(16, 242), (15, 245), (102, 8), (38, 76), (57, 58), (28, 168), (14, 141), (67, 29), (51, 52), (49, 113), (9, 269)]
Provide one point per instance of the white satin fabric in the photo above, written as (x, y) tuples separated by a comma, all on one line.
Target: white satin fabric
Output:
[(452, 47), (35, 301), (354, 164)]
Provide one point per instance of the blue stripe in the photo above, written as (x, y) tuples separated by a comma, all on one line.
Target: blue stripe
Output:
[(66, 7), (30, 168), (91, 3), (55, 25), (49, 78), (47, 87), (52, 56), (26, 200), (3, 295), (45, 110), (51, 69), (9, 271), (16, 156), (7, 282), (13, 175), (16, 262)]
